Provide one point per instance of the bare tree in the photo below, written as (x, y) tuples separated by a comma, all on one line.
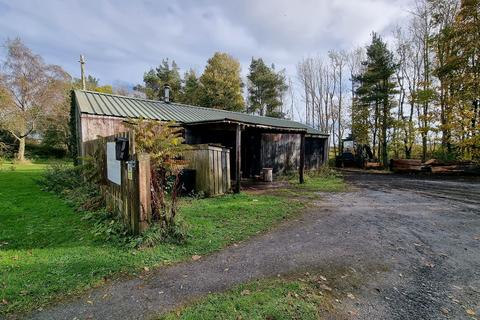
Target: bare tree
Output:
[(33, 89)]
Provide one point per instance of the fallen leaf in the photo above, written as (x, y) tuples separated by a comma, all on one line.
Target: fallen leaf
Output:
[(146, 269), (470, 312), (351, 296), (323, 278), (196, 257), (324, 287), (444, 311), (4, 301), (90, 301), (429, 264), (245, 292), (476, 238)]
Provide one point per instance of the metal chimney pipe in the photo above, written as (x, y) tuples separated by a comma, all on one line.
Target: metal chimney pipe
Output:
[(166, 93), (82, 70)]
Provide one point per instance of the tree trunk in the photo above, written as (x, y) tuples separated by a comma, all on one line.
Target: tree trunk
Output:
[(384, 134), (21, 149)]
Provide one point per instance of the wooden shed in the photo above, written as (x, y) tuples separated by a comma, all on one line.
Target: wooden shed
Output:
[(253, 142)]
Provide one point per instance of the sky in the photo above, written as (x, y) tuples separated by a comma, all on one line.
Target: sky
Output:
[(122, 39)]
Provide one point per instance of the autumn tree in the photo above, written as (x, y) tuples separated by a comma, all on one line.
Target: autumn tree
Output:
[(221, 84), (33, 89), (266, 89), (164, 143), (464, 71)]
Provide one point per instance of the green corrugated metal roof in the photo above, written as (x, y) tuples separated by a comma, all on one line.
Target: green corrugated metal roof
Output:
[(96, 103)]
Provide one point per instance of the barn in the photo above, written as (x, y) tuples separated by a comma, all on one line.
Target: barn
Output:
[(255, 142)]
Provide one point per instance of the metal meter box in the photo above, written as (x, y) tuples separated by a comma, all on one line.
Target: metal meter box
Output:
[(121, 149)]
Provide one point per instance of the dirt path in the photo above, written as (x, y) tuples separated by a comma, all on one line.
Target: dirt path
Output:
[(415, 243)]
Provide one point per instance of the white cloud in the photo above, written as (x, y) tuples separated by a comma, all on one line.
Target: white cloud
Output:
[(122, 39)]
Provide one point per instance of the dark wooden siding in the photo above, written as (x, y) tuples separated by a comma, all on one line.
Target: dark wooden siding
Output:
[(314, 152), (280, 151)]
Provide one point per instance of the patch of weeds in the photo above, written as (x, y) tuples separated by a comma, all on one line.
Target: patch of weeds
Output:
[(77, 189), (298, 296)]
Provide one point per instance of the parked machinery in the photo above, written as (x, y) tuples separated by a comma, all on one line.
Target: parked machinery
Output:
[(354, 154)]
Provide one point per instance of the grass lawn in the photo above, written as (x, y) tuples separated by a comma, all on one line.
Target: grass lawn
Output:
[(47, 252)]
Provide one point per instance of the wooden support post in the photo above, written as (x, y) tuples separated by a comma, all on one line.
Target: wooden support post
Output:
[(143, 180), (325, 152), (301, 169), (238, 160)]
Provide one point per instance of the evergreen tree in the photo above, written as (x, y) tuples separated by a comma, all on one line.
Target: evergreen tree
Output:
[(221, 85), (156, 79), (265, 89), (92, 84), (190, 92), (376, 90)]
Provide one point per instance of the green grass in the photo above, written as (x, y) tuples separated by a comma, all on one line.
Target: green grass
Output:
[(47, 251), (277, 299)]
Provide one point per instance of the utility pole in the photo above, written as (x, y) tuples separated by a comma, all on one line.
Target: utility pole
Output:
[(82, 68)]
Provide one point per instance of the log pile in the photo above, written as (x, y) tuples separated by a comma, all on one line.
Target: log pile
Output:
[(373, 165), (405, 165), (437, 166), (433, 166)]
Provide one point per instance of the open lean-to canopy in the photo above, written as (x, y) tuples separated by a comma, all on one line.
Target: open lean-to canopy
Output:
[(103, 104)]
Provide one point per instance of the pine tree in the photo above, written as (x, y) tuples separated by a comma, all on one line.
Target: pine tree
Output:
[(265, 89), (376, 89), (156, 79), (221, 85), (190, 91)]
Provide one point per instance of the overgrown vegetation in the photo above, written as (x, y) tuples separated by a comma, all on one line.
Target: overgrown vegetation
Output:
[(48, 249), (77, 186)]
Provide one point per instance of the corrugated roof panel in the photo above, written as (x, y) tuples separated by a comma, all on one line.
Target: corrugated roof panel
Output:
[(120, 106)]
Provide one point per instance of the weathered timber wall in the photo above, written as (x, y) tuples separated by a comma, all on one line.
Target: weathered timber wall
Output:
[(212, 168), (131, 200), (315, 152), (93, 127), (280, 151)]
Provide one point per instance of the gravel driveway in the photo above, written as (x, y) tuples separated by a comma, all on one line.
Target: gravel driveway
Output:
[(413, 242)]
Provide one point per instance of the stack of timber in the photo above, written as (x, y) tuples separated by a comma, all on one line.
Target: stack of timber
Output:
[(406, 165), (438, 166), (373, 165)]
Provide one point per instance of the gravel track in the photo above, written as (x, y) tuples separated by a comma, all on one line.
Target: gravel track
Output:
[(414, 243)]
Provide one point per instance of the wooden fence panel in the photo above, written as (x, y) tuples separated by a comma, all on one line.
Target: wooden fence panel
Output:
[(131, 200)]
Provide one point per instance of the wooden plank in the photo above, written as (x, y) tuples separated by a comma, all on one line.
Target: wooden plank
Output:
[(238, 160), (301, 169), (219, 172), (227, 171), (144, 194)]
